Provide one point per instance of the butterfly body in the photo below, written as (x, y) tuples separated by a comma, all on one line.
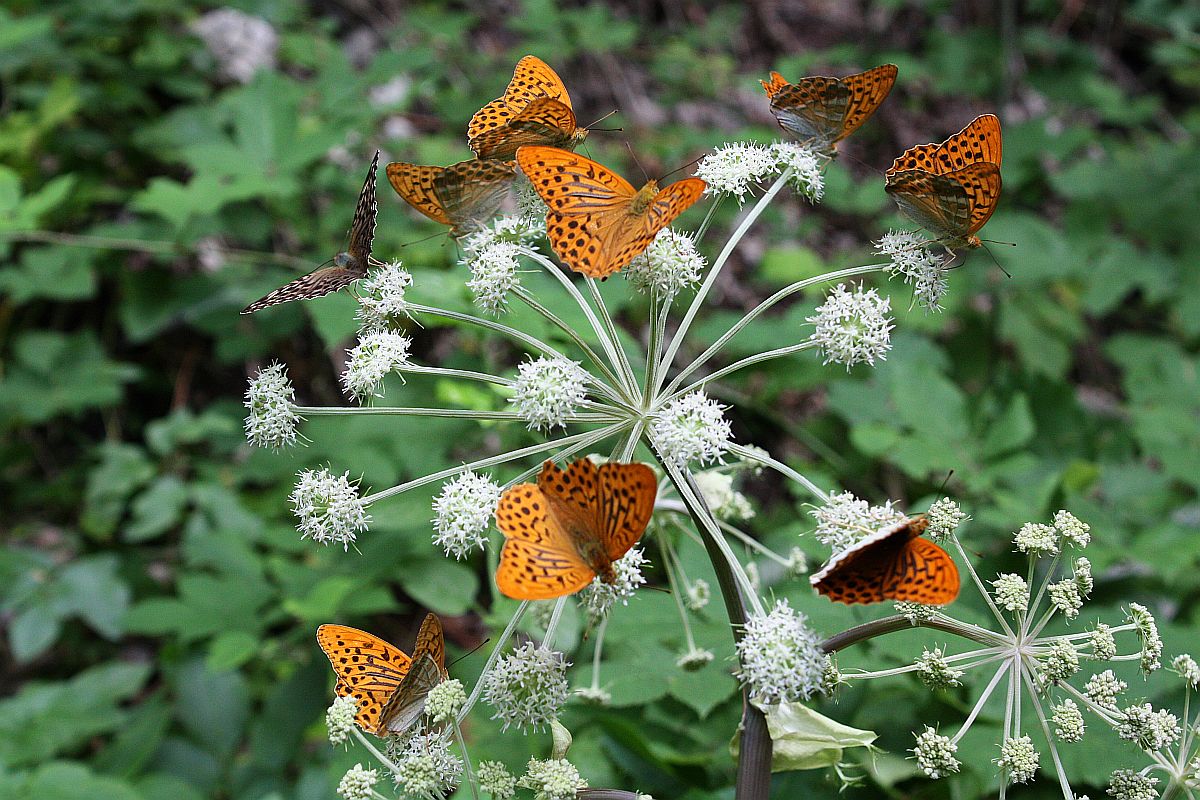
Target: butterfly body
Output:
[(387, 683), (894, 563), (348, 266), (534, 110), (951, 189), (820, 111), (569, 527), (597, 222)]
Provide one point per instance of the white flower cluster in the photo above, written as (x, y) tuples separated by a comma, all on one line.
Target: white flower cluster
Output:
[(552, 779), (913, 260), (1147, 630), (944, 517), (723, 500), (377, 355), (445, 700), (806, 176), (668, 266), (1019, 758), (527, 687), (691, 428), (463, 513), (547, 391), (740, 167), (328, 507), (852, 327), (239, 43), (935, 754), (495, 779), (598, 597), (271, 401), (358, 783), (780, 656), (935, 672), (1012, 592), (339, 719), (382, 305), (494, 274), (845, 519), (426, 769)]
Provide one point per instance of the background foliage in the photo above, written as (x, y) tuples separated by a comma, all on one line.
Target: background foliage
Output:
[(157, 605)]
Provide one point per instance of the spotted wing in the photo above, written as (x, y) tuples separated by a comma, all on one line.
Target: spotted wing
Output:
[(315, 284), (431, 641), (626, 498), (922, 572), (471, 192), (532, 78), (812, 109), (362, 228), (860, 573), (415, 184), (772, 86), (545, 121), (368, 669), (538, 560), (571, 184), (868, 90), (955, 205), (407, 703), (978, 141), (630, 236)]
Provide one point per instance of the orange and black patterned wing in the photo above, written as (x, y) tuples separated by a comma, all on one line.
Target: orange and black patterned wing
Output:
[(415, 184), (368, 669), (868, 90), (571, 184), (532, 79), (626, 496), (362, 227), (431, 641), (772, 86), (539, 560), (922, 572), (952, 206), (626, 241), (978, 141), (471, 192), (812, 109), (407, 703), (545, 121)]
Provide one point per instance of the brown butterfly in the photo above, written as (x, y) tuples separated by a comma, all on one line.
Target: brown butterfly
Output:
[(597, 221), (462, 195), (894, 563), (821, 111), (390, 686), (535, 109), (348, 266), (571, 526), (951, 189)]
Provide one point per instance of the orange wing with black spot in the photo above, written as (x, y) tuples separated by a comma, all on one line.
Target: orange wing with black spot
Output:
[(463, 195), (821, 111), (535, 109), (368, 669), (980, 140)]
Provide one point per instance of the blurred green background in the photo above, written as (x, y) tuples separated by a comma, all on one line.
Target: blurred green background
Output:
[(158, 608)]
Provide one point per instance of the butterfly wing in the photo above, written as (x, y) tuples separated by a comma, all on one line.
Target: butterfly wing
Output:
[(317, 283), (368, 669), (772, 86), (362, 228), (532, 78), (812, 109), (952, 206), (978, 141), (545, 121), (571, 184), (538, 560), (407, 703), (431, 641), (981, 182), (627, 236), (626, 496), (922, 572), (471, 192), (415, 184), (868, 90)]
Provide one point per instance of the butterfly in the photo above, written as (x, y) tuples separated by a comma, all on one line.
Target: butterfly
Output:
[(951, 189), (570, 526), (535, 109), (462, 195), (348, 266), (822, 111), (597, 221), (390, 686), (893, 563)]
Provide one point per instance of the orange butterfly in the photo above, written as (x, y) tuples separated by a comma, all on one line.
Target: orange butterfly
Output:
[(462, 195), (570, 526), (894, 563), (348, 266), (952, 188), (597, 221), (535, 109), (822, 111), (390, 687)]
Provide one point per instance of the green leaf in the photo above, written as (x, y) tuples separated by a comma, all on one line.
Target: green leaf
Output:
[(444, 586), (157, 510), (804, 739), (213, 706), (1014, 428)]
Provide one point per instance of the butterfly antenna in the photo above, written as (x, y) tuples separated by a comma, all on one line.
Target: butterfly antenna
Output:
[(945, 480), (685, 166), (425, 239), (593, 127), (996, 262), (633, 155), (470, 652)]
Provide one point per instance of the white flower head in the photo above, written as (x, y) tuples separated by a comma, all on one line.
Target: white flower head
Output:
[(846, 519), (1019, 758), (495, 779), (358, 783), (1064, 596), (527, 687), (1060, 662), (552, 779), (1103, 688), (780, 656), (1147, 630), (381, 298), (547, 391), (696, 658), (377, 355), (668, 266), (723, 500), (736, 168), (1104, 644), (1068, 721), (691, 428), (463, 513), (806, 175), (426, 768), (532, 211), (339, 719), (1037, 540), (1125, 784), (494, 274), (1149, 729), (1083, 576), (598, 597), (328, 507), (1072, 530), (1011, 593), (913, 260), (915, 613), (935, 754), (852, 327), (271, 401), (239, 43), (698, 595), (1187, 668), (445, 700), (935, 672), (797, 562), (944, 517)]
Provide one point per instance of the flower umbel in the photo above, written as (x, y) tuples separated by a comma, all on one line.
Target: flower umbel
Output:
[(668, 266), (358, 783), (548, 391), (921, 267), (852, 327), (691, 428), (339, 719), (426, 768), (495, 779), (598, 597), (552, 779), (780, 656), (935, 754), (527, 687), (328, 507), (845, 519), (272, 420), (377, 354), (463, 513), (381, 302)]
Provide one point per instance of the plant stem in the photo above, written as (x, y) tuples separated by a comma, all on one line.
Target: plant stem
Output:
[(477, 690), (899, 622)]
